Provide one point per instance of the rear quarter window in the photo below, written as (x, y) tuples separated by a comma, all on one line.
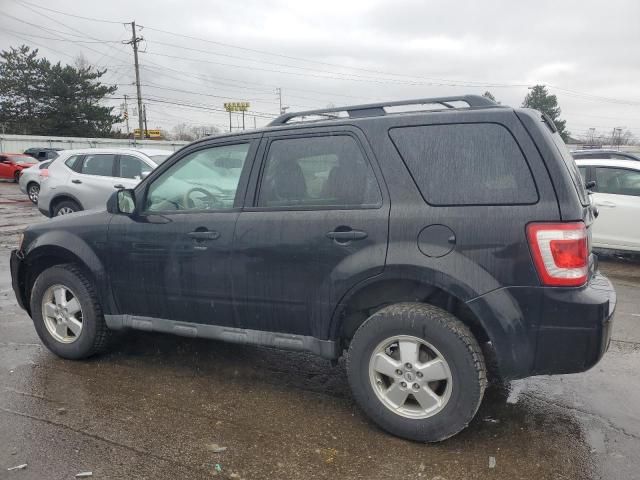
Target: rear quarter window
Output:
[(466, 164)]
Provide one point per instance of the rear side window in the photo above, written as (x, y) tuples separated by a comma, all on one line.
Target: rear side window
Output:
[(72, 163), (100, 165), (322, 171), (466, 164)]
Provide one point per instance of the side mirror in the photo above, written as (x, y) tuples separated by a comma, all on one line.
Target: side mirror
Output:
[(122, 202)]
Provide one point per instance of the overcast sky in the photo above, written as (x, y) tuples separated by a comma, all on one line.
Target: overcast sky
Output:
[(345, 52)]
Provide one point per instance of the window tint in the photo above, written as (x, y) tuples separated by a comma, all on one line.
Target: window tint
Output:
[(617, 181), (98, 164), (132, 167), (203, 180), (466, 164), (318, 171)]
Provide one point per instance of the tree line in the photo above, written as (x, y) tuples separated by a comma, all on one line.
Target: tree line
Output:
[(38, 97)]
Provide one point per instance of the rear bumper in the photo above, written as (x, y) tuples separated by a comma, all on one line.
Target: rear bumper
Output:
[(16, 264), (548, 330), (575, 330)]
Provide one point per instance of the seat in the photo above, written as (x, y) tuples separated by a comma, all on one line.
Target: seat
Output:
[(286, 184)]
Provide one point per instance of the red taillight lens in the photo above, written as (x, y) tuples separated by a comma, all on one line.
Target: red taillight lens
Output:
[(44, 172), (560, 252)]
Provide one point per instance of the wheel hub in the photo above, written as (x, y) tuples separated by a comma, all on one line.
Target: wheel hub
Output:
[(410, 377), (62, 314)]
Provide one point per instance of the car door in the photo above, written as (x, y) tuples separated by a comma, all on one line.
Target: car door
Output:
[(316, 224), (171, 260), (92, 180), (617, 197)]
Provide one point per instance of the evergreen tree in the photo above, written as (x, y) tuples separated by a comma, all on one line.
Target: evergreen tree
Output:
[(74, 102), (39, 98), (23, 90), (539, 99)]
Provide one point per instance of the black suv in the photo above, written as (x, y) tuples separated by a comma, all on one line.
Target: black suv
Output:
[(419, 244), (42, 154)]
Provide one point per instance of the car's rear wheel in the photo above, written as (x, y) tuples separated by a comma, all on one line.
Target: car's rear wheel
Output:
[(65, 207), (417, 371), (66, 313), (33, 190)]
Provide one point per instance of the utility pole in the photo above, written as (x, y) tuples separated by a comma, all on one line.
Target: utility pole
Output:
[(126, 114), (134, 43), (146, 130)]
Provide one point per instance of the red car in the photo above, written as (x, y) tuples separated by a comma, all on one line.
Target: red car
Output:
[(12, 164)]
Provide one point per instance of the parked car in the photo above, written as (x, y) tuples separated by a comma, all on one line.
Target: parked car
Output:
[(602, 154), (84, 179), (30, 179), (416, 243), (42, 154), (616, 193), (12, 164)]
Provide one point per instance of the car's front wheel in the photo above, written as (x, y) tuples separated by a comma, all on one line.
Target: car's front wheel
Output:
[(417, 371), (33, 190), (16, 176), (66, 313)]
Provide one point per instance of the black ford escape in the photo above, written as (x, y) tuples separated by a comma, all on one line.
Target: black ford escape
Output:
[(418, 242)]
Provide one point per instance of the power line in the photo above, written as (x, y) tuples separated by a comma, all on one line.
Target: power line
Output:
[(61, 39), (70, 14)]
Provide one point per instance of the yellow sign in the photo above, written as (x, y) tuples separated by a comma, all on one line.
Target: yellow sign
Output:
[(148, 133), (236, 106)]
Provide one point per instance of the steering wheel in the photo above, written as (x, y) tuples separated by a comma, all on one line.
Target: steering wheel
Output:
[(212, 200)]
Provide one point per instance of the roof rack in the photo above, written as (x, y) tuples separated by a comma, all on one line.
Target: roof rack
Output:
[(378, 109)]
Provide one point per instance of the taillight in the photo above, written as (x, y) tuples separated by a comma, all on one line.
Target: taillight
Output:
[(560, 252), (44, 173)]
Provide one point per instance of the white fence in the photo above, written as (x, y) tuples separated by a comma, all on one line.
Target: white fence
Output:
[(19, 143)]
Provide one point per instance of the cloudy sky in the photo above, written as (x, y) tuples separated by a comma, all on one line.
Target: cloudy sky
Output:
[(198, 54)]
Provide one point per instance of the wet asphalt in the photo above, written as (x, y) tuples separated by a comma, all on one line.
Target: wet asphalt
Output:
[(163, 407)]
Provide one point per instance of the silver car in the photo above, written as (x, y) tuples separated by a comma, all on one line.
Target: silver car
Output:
[(85, 179), (30, 180)]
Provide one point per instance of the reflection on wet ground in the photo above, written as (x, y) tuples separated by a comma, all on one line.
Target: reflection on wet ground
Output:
[(162, 403)]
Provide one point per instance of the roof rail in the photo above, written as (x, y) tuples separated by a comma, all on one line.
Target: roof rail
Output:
[(378, 109)]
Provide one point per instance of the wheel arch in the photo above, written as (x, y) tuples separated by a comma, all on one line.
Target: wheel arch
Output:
[(67, 250), (500, 338), (61, 197)]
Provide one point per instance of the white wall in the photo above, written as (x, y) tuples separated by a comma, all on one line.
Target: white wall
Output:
[(19, 143)]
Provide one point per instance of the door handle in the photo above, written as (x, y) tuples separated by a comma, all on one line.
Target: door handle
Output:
[(204, 235), (606, 203), (344, 236), (118, 186), (75, 180)]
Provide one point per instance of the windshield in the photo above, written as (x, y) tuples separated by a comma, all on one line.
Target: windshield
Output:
[(158, 159)]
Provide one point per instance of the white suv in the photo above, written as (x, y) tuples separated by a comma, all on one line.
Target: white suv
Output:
[(84, 179)]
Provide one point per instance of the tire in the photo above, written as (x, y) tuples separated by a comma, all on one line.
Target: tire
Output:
[(33, 190), (66, 207), (93, 337), (16, 177), (439, 336)]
